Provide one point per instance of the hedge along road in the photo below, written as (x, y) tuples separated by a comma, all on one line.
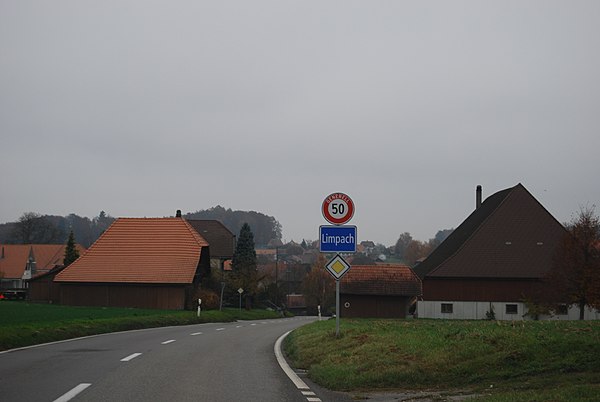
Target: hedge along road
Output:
[(205, 362)]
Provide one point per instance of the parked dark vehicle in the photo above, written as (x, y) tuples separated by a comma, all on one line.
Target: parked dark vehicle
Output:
[(15, 294)]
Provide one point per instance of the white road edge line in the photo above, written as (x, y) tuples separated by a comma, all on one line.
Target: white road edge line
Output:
[(285, 367), (72, 393), (167, 342), (130, 357)]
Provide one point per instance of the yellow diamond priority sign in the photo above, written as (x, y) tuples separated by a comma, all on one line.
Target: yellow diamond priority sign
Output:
[(337, 267)]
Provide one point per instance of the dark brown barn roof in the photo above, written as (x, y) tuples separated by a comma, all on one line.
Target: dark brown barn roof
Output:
[(511, 235), (140, 250), (388, 279), (221, 241)]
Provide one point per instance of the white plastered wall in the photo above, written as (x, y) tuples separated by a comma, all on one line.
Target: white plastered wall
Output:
[(467, 310)]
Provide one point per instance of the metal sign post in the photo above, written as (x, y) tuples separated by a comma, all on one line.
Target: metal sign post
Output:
[(337, 267), (240, 291), (337, 308), (337, 209)]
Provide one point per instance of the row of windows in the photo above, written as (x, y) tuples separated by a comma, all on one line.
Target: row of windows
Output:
[(448, 308)]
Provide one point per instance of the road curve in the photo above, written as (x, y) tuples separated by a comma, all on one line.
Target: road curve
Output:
[(206, 362)]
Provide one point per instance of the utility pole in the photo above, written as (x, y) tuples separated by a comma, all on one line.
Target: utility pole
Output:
[(277, 276)]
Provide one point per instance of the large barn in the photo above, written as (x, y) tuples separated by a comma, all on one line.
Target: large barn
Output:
[(494, 262), (139, 262)]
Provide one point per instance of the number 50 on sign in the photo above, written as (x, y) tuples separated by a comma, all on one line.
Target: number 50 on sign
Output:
[(338, 208)]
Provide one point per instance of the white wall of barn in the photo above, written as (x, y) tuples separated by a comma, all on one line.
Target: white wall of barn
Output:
[(467, 310)]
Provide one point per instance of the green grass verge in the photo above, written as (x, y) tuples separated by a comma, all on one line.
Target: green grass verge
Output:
[(499, 361), (24, 324)]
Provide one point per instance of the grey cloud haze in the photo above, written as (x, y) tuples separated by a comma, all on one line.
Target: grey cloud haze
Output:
[(139, 108)]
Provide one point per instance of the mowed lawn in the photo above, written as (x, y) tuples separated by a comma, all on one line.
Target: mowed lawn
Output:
[(490, 360), (24, 324)]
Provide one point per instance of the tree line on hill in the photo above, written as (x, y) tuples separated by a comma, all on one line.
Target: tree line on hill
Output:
[(265, 228), (35, 228)]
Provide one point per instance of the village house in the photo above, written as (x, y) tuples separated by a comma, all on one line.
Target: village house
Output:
[(378, 291), (21, 262), (220, 239), (139, 262), (494, 263)]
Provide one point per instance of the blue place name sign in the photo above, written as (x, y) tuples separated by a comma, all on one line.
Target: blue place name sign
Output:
[(337, 239)]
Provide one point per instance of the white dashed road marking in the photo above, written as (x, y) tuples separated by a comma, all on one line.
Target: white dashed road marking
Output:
[(130, 357), (196, 333), (220, 329), (72, 393), (167, 342)]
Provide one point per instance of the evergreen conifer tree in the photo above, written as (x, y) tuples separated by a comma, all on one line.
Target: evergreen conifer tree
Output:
[(71, 253), (244, 264)]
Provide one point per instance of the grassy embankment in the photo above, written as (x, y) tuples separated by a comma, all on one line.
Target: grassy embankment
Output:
[(497, 361), (24, 324)]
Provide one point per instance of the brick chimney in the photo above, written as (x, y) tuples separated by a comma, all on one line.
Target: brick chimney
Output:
[(478, 197), (178, 213)]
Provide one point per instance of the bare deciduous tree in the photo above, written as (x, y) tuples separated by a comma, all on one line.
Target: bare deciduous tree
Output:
[(575, 275)]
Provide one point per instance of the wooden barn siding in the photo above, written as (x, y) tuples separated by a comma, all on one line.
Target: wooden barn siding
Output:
[(44, 290), (362, 306), (491, 290), (165, 297)]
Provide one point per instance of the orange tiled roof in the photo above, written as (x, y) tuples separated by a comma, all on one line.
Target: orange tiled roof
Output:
[(140, 250), (388, 279), (16, 256)]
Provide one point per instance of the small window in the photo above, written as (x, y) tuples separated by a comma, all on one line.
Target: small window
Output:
[(447, 308), (512, 309), (563, 309)]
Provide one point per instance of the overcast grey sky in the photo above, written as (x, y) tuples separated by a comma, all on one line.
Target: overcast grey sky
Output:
[(139, 108)]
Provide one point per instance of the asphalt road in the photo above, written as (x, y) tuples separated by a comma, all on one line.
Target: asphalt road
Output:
[(206, 362)]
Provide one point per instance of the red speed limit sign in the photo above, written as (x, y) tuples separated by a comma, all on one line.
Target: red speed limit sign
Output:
[(338, 208)]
